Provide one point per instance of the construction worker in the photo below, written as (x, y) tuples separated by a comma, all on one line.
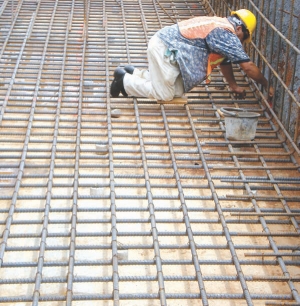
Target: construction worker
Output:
[(183, 55)]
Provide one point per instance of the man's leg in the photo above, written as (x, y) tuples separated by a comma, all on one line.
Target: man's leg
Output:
[(142, 73), (179, 88), (164, 76)]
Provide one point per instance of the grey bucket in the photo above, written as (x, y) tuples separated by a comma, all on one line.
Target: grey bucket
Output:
[(239, 123)]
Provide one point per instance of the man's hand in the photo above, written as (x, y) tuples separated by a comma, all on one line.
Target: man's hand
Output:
[(239, 92)]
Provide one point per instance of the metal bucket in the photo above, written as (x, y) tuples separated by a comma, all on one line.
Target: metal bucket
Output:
[(240, 124)]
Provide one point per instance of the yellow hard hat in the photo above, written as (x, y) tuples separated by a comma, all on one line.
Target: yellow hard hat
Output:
[(248, 19)]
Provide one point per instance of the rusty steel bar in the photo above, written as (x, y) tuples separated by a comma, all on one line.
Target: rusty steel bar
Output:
[(3, 108), (38, 279), (114, 232), (222, 219), (160, 275), (154, 231), (21, 168), (201, 285), (12, 24), (3, 6), (74, 217), (217, 278)]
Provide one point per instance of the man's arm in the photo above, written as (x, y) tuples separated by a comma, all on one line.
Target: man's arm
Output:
[(254, 73), (229, 76), (223, 42)]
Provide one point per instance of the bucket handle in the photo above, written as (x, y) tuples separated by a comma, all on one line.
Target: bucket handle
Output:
[(229, 111), (220, 113)]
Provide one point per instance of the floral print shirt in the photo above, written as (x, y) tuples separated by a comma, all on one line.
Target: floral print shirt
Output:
[(192, 54)]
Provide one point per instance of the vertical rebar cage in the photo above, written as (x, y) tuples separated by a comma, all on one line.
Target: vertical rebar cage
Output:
[(276, 50), (171, 212)]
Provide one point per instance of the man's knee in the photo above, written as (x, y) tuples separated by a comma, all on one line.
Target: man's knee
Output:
[(165, 96)]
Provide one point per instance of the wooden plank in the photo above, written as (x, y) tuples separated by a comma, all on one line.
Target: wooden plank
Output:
[(179, 100)]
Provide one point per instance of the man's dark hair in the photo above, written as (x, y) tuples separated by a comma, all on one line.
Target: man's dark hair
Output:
[(244, 29), (235, 19)]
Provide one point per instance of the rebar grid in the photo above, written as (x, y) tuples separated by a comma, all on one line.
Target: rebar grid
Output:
[(181, 215)]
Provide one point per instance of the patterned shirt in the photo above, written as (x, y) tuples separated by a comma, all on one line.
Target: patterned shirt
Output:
[(192, 55)]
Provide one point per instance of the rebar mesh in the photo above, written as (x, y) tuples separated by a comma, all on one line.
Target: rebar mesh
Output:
[(174, 213)]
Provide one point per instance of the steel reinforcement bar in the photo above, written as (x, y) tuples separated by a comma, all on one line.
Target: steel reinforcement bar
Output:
[(153, 206)]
